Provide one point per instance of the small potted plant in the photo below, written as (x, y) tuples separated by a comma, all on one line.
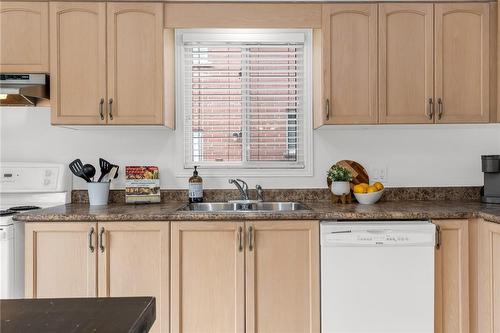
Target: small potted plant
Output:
[(341, 178)]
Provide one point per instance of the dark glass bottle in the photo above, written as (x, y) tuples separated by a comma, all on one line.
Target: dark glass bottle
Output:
[(195, 187)]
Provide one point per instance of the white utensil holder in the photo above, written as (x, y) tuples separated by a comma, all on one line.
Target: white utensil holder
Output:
[(98, 193)]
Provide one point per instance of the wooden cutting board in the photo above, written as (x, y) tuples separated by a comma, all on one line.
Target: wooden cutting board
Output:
[(359, 173)]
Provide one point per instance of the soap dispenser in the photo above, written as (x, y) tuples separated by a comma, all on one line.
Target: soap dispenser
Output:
[(195, 187)]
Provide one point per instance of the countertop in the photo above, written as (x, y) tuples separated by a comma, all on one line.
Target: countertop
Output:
[(109, 314), (320, 210)]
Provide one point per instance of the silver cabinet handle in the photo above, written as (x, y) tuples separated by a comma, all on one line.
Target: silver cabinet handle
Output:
[(250, 238), (110, 109), (440, 108), (101, 108), (430, 109), (327, 107), (240, 239), (101, 244), (91, 234)]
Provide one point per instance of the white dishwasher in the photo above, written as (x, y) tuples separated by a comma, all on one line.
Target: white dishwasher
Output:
[(377, 277)]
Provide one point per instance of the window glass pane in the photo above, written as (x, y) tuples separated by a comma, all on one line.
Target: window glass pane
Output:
[(244, 100)]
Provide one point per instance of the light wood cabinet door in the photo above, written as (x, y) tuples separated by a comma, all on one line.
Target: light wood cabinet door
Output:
[(133, 260), (406, 63), (350, 63), (61, 259), (452, 277), (207, 277), (282, 277), (24, 37), (488, 300), (135, 63), (78, 62), (462, 78)]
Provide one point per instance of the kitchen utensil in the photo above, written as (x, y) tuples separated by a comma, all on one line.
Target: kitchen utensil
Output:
[(105, 168), (358, 172), (76, 168), (112, 174), (89, 171)]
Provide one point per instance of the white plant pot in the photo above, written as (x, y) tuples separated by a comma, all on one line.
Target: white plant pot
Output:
[(341, 188)]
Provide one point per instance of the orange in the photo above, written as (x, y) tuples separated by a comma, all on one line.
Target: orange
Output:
[(379, 186), (371, 189)]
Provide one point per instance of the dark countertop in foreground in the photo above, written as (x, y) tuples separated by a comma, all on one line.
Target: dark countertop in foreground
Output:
[(390, 210), (113, 314)]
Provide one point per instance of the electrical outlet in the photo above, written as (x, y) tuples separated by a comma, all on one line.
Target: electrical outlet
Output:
[(379, 174)]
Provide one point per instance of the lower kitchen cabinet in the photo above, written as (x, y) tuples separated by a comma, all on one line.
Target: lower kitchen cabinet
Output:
[(452, 277), (488, 286), (61, 260), (207, 276), (115, 259), (245, 277), (133, 260), (282, 277)]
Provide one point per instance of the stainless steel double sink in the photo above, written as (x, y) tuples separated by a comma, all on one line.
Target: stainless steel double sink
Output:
[(261, 206)]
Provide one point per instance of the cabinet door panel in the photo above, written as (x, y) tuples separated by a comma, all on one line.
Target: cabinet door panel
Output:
[(452, 278), (489, 277), (24, 37), (406, 66), (134, 261), (462, 78), (207, 273), (135, 63), (350, 63), (282, 277), (78, 62), (59, 261)]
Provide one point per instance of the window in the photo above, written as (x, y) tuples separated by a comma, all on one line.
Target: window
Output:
[(244, 97)]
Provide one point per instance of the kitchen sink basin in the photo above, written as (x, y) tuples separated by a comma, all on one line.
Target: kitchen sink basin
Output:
[(245, 207)]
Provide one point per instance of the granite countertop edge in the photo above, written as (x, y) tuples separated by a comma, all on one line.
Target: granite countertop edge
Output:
[(398, 210)]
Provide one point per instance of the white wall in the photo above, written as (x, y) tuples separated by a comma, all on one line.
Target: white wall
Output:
[(426, 155)]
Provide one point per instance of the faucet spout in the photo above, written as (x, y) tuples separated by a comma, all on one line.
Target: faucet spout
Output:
[(243, 187)]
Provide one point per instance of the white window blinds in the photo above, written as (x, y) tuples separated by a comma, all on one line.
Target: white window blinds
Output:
[(243, 99)]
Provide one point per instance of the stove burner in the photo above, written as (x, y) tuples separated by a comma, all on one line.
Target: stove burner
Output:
[(6, 212), (23, 208)]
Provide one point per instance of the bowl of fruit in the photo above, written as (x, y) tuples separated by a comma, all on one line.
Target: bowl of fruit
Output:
[(368, 194)]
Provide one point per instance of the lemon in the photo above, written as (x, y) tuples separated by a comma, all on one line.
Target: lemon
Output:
[(364, 185), (359, 189), (371, 189), (379, 186)]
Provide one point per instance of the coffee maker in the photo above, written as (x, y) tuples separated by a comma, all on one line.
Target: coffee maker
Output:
[(491, 169)]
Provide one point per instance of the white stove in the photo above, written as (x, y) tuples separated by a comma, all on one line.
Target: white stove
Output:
[(24, 187)]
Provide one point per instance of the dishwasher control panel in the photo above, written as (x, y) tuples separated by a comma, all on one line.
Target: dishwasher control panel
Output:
[(419, 234)]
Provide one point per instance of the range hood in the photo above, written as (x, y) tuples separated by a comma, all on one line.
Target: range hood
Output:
[(23, 89)]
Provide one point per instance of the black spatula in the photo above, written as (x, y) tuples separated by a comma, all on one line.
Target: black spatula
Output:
[(105, 168), (76, 168)]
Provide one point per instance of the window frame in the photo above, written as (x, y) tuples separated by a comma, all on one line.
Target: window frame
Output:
[(277, 168)]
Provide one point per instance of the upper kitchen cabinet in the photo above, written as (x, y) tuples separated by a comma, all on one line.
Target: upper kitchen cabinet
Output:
[(406, 68), (24, 37), (78, 62), (349, 64), (462, 60), (106, 63), (135, 63)]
